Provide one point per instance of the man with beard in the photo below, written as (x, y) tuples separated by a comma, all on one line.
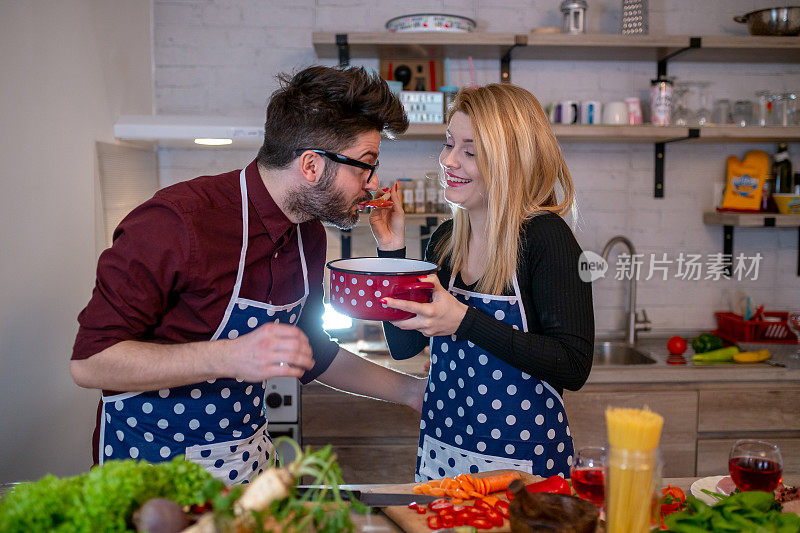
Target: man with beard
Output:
[(215, 285)]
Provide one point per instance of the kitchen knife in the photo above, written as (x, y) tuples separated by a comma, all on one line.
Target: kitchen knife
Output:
[(379, 499)]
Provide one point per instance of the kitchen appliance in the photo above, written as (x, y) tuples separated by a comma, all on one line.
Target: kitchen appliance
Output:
[(772, 21), (634, 17), (358, 284), (282, 409), (435, 22), (573, 16)]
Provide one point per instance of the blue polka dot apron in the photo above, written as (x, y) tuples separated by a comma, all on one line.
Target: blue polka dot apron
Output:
[(480, 413), (220, 423)]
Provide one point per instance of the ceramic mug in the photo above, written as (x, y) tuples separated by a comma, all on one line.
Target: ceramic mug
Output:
[(590, 112), (359, 283), (567, 112), (615, 113)]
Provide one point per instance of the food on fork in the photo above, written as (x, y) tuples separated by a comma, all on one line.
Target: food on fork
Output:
[(384, 200)]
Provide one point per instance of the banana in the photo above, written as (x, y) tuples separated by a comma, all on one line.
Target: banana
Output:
[(752, 357)]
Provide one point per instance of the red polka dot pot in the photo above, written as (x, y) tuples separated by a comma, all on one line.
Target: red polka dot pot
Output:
[(359, 283)]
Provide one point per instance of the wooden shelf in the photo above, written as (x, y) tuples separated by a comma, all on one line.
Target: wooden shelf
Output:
[(598, 46), (748, 220), (749, 134), (646, 133), (417, 45), (729, 221)]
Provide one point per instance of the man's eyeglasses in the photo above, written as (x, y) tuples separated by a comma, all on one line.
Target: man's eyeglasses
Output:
[(343, 159)]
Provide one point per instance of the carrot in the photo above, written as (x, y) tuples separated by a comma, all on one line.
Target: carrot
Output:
[(435, 483), (447, 483), (460, 494), (491, 500), (417, 489), (426, 489), (498, 482), (457, 501), (474, 494), (436, 491), (465, 484)]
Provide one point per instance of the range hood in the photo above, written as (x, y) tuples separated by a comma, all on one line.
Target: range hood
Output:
[(180, 131)]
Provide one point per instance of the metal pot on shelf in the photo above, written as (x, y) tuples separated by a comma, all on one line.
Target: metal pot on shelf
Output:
[(772, 21)]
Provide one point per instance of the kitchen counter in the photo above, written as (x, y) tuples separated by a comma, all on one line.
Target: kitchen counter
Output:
[(379, 522), (652, 374)]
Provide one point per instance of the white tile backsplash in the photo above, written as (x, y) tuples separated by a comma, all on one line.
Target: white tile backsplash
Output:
[(221, 57)]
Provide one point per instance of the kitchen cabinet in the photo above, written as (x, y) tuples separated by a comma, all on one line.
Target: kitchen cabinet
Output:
[(373, 439)]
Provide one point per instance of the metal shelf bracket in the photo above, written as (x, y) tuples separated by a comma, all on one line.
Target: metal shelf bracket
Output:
[(727, 245), (660, 152), (694, 42), (505, 61), (344, 49)]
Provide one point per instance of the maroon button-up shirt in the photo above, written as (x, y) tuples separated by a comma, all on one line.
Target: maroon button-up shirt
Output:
[(170, 271)]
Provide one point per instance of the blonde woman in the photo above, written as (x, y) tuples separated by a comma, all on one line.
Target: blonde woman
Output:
[(510, 324)]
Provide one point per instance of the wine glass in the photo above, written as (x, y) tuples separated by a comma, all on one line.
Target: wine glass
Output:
[(588, 474), (794, 323), (755, 465)]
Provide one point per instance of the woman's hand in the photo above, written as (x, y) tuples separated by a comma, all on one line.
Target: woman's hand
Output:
[(440, 317), (388, 223)]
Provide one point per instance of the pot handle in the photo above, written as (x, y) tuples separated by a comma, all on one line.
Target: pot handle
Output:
[(405, 288), (742, 19)]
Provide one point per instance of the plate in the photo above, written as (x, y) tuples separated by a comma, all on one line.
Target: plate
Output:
[(425, 22), (708, 483)]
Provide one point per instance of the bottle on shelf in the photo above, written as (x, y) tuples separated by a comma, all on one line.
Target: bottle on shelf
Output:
[(431, 193), (419, 196), (782, 170), (407, 188)]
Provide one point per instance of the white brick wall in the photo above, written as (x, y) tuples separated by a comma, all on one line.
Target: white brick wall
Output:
[(221, 56)]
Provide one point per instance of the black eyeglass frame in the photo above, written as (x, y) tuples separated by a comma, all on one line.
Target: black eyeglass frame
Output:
[(343, 159)]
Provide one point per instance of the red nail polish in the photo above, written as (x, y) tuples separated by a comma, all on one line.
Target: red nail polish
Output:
[(383, 300)]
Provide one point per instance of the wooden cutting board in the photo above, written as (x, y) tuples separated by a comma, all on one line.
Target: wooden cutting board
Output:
[(412, 522)]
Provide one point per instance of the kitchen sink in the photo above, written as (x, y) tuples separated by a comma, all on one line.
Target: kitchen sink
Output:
[(618, 353)]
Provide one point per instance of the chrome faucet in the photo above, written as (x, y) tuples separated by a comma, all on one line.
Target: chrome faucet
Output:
[(634, 324)]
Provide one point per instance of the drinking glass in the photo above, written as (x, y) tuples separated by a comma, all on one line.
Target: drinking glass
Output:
[(755, 465), (763, 111), (722, 112), (703, 114), (682, 116), (743, 113), (588, 474)]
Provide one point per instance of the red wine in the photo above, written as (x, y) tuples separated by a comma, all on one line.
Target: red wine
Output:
[(589, 484), (755, 473)]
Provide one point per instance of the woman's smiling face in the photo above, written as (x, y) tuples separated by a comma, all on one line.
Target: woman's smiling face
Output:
[(465, 185)]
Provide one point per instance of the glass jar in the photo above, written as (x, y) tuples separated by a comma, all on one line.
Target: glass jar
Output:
[(743, 113), (660, 101), (407, 189), (419, 196), (632, 487)]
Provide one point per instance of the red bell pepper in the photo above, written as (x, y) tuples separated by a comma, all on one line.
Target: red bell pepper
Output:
[(553, 484)]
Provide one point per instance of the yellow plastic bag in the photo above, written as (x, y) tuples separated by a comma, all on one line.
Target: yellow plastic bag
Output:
[(745, 181)]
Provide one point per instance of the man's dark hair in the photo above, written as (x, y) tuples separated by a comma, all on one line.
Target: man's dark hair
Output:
[(326, 108)]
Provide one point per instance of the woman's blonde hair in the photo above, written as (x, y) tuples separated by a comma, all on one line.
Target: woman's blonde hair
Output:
[(521, 163)]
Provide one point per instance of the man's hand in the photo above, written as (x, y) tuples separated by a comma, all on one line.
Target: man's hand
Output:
[(440, 317), (388, 223), (271, 350)]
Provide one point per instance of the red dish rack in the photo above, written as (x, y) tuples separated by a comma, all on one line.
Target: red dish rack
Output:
[(734, 328)]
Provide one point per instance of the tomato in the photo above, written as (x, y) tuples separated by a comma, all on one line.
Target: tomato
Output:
[(502, 508), (434, 522), (494, 517), (480, 523), (676, 345), (675, 492)]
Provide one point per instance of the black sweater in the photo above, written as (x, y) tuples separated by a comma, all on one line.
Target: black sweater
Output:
[(558, 345)]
